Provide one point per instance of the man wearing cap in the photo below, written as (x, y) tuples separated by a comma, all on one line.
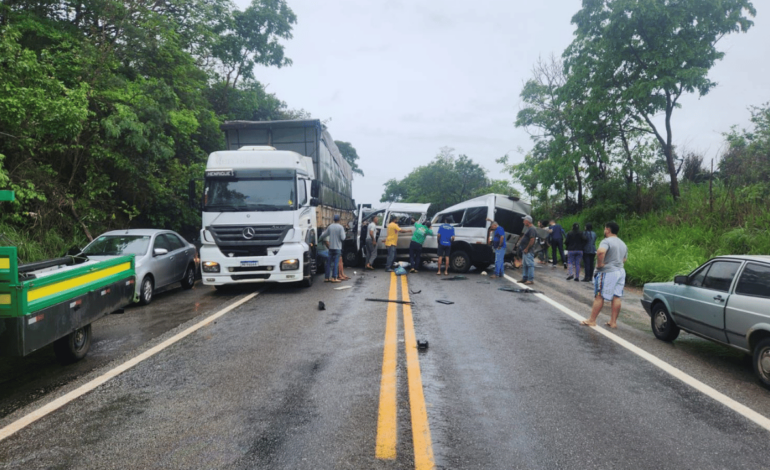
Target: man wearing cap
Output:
[(336, 236), (528, 257)]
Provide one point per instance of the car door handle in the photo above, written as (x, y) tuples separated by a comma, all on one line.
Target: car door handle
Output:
[(718, 298)]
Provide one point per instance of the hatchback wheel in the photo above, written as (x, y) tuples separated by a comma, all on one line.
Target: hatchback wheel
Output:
[(762, 362), (663, 326)]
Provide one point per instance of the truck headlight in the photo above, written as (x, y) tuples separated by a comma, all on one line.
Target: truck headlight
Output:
[(210, 267), (290, 265)]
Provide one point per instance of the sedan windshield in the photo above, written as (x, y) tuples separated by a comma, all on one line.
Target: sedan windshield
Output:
[(251, 194), (118, 245)]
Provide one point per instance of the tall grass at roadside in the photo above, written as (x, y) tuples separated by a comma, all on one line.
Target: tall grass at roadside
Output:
[(674, 241), (38, 246)]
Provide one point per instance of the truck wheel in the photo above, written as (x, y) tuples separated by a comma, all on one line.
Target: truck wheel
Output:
[(74, 346), (762, 362), (459, 261), (189, 278), (307, 281), (663, 326), (146, 290)]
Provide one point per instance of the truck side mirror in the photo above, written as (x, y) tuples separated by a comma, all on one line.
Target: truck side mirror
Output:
[(315, 189), (315, 202)]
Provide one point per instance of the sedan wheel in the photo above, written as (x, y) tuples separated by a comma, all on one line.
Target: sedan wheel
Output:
[(146, 291), (189, 278)]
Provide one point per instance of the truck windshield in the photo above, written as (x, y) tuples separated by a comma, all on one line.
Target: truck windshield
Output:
[(118, 245), (250, 194)]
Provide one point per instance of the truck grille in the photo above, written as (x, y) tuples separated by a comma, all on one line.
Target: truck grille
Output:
[(242, 236)]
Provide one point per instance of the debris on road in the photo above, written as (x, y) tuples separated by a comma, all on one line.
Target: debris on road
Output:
[(519, 291), (445, 302), (483, 282), (392, 301), (414, 292), (321, 305), (343, 287), (422, 344), (454, 278), (483, 273)]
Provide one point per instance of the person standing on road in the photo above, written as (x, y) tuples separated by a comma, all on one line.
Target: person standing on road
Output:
[(322, 253), (610, 275), (589, 252), (336, 235), (446, 235), (557, 242), (371, 242), (528, 238), (415, 246), (575, 243), (392, 241), (498, 244)]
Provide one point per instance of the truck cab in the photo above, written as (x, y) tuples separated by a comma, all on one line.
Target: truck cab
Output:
[(259, 217)]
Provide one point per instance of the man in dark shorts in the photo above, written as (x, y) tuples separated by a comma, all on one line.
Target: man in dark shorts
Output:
[(446, 235)]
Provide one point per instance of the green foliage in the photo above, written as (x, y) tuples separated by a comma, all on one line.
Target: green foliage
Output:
[(444, 182), (643, 55), (747, 160), (349, 153), (109, 108)]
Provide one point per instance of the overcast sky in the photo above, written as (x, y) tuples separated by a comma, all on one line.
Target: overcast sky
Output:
[(401, 79)]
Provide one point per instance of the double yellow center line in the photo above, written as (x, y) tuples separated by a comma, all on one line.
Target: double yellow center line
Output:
[(387, 427)]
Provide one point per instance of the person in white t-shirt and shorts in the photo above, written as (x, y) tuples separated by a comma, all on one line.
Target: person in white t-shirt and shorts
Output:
[(610, 275)]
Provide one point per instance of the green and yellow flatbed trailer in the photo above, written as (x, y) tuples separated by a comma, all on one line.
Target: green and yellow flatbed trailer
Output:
[(56, 301)]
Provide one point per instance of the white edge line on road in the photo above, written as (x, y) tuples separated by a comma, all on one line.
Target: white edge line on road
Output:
[(87, 387), (743, 410)]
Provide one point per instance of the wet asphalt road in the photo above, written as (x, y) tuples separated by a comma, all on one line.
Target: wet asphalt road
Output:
[(509, 382)]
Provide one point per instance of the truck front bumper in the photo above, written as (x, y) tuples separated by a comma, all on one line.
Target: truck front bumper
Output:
[(252, 269)]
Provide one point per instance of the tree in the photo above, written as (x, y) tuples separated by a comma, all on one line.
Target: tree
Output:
[(646, 54), (444, 182), (349, 152)]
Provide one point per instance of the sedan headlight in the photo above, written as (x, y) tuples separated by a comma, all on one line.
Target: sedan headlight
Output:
[(290, 265), (210, 267)]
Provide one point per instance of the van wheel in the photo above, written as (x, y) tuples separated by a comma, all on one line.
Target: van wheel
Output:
[(74, 346), (762, 362), (459, 261), (663, 326), (350, 258)]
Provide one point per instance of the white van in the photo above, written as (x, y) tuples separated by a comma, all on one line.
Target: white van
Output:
[(407, 215), (471, 246)]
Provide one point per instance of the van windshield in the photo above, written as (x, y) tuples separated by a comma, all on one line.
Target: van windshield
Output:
[(250, 194)]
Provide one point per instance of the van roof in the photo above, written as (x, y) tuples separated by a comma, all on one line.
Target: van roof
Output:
[(500, 200)]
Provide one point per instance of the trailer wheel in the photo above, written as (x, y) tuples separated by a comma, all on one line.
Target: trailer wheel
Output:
[(74, 346), (146, 290), (460, 261)]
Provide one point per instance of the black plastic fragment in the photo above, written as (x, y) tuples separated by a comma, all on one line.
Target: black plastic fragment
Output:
[(454, 278), (422, 344), (392, 301), (519, 291), (321, 305), (414, 292), (445, 302)]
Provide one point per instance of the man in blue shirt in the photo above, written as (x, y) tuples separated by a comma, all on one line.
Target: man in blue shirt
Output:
[(498, 244), (446, 235), (557, 242)]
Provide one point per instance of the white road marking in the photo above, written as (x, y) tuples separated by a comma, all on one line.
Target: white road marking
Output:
[(85, 388), (743, 410)]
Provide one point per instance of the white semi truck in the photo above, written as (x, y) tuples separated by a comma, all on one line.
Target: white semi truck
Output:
[(266, 199)]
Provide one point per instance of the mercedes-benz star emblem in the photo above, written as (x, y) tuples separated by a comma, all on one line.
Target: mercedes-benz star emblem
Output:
[(248, 233)]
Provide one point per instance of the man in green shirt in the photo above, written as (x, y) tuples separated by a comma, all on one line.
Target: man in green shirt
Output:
[(415, 247)]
